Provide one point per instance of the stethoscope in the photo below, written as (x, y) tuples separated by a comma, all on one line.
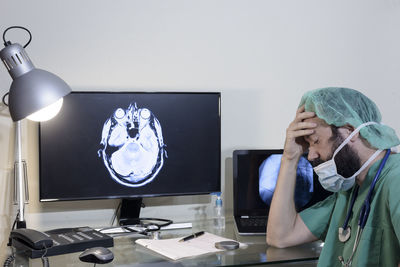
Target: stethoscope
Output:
[(145, 226), (344, 231)]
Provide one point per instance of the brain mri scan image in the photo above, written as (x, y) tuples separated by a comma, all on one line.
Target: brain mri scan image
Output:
[(132, 146)]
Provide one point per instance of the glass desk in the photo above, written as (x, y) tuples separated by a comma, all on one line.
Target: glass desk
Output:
[(257, 252)]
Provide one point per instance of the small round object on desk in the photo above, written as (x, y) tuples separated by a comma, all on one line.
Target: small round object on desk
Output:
[(227, 245)]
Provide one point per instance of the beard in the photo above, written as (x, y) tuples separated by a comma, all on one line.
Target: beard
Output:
[(347, 160)]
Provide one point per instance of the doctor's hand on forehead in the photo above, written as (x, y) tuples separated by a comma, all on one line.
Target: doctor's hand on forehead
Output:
[(295, 145)]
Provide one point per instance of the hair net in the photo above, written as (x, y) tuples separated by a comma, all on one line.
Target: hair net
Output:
[(341, 106)]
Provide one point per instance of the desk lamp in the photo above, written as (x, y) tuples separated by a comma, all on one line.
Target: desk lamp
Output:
[(34, 94)]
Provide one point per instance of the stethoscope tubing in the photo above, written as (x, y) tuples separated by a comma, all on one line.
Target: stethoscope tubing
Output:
[(362, 219), (353, 199), (367, 202)]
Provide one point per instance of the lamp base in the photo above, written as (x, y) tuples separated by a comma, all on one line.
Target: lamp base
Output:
[(21, 224)]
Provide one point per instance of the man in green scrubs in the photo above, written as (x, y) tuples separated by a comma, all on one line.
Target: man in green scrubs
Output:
[(340, 130)]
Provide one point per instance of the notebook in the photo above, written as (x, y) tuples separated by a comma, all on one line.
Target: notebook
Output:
[(255, 173), (175, 250)]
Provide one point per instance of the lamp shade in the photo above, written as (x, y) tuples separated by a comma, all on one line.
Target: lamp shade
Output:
[(32, 89)]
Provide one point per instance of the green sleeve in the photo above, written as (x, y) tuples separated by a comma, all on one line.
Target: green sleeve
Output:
[(394, 204), (317, 217)]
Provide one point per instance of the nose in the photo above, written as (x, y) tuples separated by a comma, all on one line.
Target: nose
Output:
[(312, 154)]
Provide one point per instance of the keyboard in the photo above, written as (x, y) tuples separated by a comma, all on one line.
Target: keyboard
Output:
[(253, 221), (251, 225)]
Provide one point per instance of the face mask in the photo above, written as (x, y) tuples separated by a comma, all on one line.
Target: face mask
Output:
[(327, 172)]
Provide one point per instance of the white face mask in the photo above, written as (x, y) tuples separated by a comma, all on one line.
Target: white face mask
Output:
[(327, 172)]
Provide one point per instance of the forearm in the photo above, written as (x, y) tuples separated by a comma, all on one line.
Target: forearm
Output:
[(285, 227), (282, 213)]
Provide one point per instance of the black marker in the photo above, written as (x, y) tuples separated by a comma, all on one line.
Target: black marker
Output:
[(192, 236)]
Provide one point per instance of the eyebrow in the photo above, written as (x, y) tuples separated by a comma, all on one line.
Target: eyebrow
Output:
[(307, 138)]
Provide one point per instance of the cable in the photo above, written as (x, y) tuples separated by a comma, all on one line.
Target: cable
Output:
[(6, 43), (45, 260), (9, 260), (17, 27), (115, 213), (4, 99), (12, 228), (15, 221)]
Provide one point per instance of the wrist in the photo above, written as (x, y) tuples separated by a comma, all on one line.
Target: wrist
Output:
[(289, 161), (290, 158)]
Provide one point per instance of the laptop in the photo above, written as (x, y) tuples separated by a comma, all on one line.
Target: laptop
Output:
[(255, 173)]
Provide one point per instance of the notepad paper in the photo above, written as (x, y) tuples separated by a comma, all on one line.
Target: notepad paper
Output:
[(175, 250)]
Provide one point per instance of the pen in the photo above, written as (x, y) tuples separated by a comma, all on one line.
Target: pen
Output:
[(192, 236)]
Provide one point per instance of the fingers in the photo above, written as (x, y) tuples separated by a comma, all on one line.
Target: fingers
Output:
[(302, 115), (297, 132), (302, 125)]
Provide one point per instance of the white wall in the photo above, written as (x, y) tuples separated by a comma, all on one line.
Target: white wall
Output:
[(262, 56)]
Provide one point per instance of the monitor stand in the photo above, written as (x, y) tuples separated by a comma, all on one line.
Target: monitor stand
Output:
[(130, 211)]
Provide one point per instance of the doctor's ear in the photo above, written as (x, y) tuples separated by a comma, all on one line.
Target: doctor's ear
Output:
[(346, 130)]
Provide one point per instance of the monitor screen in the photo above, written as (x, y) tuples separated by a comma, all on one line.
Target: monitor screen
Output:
[(255, 174), (131, 144)]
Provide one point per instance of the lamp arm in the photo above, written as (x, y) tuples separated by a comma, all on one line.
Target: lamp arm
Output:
[(20, 176)]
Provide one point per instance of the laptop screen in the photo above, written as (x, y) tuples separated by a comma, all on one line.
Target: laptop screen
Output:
[(255, 173)]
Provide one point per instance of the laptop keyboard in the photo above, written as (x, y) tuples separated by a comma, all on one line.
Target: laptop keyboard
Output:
[(253, 221)]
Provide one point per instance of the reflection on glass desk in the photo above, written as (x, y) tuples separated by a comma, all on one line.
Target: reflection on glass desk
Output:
[(127, 253)]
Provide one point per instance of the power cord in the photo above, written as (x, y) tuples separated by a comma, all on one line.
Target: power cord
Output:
[(114, 217), (16, 27), (15, 221), (12, 228), (4, 99)]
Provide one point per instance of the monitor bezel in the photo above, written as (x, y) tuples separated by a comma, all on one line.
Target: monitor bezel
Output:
[(135, 196)]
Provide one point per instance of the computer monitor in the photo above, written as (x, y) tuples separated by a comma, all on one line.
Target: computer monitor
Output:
[(255, 174), (131, 145)]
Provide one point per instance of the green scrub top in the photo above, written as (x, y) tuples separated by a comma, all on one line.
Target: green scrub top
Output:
[(379, 244)]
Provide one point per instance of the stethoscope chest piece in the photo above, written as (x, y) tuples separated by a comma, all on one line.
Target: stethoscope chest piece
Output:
[(344, 234)]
